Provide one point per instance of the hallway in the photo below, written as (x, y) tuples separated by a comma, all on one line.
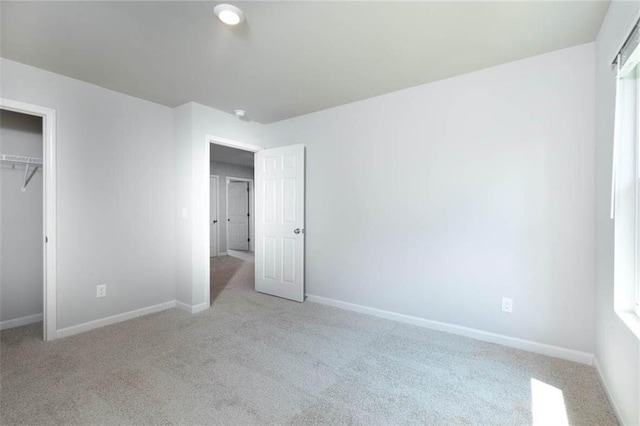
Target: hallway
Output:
[(232, 272)]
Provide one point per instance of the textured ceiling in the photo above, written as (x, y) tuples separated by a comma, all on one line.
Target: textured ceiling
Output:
[(287, 58)]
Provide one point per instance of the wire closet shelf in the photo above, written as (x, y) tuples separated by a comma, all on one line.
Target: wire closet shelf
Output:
[(28, 162), (19, 159)]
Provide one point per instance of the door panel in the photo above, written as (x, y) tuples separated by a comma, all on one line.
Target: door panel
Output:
[(269, 263), (213, 216), (279, 187), (238, 215), (289, 260)]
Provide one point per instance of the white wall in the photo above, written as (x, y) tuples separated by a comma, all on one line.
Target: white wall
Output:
[(193, 123), (438, 200), (617, 349), (126, 169), (116, 215), (21, 271), (183, 180), (224, 170)]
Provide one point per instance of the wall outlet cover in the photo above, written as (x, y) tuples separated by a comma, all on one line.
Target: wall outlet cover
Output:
[(507, 304), (101, 290)]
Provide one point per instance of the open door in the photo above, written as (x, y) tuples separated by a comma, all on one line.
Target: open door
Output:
[(279, 249)]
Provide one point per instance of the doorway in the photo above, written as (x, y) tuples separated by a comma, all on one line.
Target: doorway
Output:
[(35, 168), (274, 263), (231, 263)]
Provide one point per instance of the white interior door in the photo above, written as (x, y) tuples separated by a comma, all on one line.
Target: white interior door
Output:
[(279, 248), (238, 215), (213, 216)]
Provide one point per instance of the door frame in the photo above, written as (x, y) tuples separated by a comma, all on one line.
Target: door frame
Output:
[(48, 115), (252, 225), (217, 213), (213, 139)]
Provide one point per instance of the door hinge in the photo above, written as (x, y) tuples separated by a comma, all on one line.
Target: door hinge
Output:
[(248, 215), (248, 239), (46, 239)]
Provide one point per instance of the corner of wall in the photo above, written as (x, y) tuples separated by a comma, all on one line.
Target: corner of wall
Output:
[(182, 125), (192, 122), (617, 352)]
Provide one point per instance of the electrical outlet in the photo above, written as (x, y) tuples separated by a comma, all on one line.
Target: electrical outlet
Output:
[(101, 290), (507, 304)]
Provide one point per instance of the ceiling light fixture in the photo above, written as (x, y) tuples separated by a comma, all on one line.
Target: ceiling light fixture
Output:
[(228, 14), (240, 113)]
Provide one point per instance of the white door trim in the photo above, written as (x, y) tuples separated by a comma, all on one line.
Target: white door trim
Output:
[(217, 211), (209, 139), (49, 206), (252, 226), (232, 144)]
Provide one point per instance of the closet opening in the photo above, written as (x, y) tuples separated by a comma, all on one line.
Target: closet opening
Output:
[(27, 218)]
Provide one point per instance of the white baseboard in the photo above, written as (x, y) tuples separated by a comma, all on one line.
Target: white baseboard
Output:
[(114, 319), (81, 328), (199, 308), (192, 309), (603, 382), (223, 253), (17, 322), (500, 339), (183, 306)]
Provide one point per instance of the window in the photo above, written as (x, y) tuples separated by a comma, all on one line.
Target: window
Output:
[(635, 129), (625, 205)]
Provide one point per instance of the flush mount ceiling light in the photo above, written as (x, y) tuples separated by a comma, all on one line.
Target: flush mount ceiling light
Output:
[(228, 14), (240, 113)]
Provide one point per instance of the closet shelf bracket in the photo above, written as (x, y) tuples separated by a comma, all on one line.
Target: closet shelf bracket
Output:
[(27, 176)]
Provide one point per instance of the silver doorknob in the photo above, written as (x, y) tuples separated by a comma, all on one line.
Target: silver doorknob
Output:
[(296, 231)]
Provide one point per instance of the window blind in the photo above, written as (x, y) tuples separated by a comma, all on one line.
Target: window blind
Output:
[(629, 55), (616, 135)]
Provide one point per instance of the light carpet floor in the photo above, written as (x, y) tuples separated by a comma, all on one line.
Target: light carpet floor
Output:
[(256, 359)]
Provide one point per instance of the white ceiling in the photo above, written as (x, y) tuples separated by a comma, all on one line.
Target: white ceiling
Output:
[(224, 154), (287, 58)]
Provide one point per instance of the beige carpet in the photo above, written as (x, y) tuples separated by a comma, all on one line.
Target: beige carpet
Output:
[(235, 271), (256, 359)]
